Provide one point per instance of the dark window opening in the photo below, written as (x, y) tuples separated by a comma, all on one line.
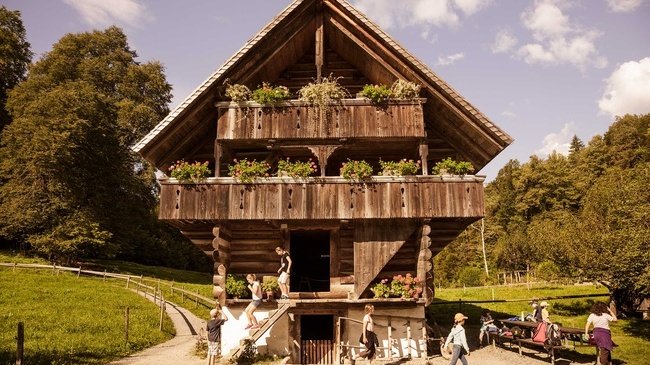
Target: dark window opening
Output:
[(317, 327)]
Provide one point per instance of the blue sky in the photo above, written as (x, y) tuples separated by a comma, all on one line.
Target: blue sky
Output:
[(543, 70)]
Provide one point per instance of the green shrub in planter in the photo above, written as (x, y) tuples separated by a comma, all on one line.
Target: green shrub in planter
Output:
[(400, 168), (186, 171), (238, 93), (236, 286), (268, 94), (378, 94), (296, 169), (356, 170), (451, 167), (247, 171), (405, 90), (323, 93)]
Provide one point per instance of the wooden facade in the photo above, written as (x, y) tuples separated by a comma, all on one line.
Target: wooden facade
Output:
[(343, 236)]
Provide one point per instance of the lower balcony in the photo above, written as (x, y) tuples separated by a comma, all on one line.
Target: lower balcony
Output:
[(326, 198)]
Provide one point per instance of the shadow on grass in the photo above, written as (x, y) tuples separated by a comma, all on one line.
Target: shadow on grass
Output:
[(47, 357), (638, 328), (575, 308)]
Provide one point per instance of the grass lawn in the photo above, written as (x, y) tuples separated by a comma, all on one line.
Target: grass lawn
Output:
[(632, 335), (70, 320)]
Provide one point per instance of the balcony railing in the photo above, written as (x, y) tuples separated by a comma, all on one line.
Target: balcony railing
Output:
[(353, 118), (323, 198)]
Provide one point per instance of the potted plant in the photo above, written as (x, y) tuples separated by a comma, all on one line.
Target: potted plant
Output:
[(270, 286), (378, 94), (400, 168), (381, 289), (296, 169), (323, 93), (356, 170), (405, 90), (267, 94), (451, 167), (185, 171), (236, 286), (238, 93), (247, 171)]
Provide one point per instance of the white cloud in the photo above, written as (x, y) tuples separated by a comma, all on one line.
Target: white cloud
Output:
[(558, 142), (623, 6), (102, 12), (504, 42), (557, 39), (509, 112), (627, 90), (421, 13), (450, 60)]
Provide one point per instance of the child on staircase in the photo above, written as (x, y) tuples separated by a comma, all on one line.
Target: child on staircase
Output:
[(256, 291), (284, 271)]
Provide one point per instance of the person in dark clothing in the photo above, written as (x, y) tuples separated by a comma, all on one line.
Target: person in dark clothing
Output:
[(284, 271), (213, 327), (368, 336)]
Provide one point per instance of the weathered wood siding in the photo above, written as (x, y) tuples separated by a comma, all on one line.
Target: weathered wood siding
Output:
[(323, 198), (295, 120)]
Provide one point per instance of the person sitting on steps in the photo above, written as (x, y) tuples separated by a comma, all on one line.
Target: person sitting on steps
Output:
[(284, 271)]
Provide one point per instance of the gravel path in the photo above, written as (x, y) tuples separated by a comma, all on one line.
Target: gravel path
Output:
[(176, 351)]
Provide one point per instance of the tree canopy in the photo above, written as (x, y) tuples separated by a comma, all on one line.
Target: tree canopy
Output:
[(585, 214), (71, 187), (15, 56)]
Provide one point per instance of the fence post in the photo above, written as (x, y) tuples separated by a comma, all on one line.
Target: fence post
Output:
[(79, 272), (104, 278), (126, 326), (492, 294), (15, 266), (53, 268), (182, 293), (196, 303), (162, 311), (20, 340), (460, 305), (128, 280)]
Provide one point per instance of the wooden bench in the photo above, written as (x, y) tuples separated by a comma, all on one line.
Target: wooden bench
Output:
[(549, 349)]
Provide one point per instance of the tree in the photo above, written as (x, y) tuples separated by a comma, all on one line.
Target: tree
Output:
[(15, 56), (71, 185)]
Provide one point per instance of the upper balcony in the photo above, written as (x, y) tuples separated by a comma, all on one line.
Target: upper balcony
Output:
[(323, 198), (353, 118)]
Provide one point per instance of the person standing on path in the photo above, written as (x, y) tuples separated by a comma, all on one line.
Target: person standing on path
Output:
[(600, 317), (256, 291), (459, 339), (368, 336), (284, 271), (214, 335)]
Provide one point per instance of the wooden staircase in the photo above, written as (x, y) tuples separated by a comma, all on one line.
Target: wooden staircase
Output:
[(265, 325)]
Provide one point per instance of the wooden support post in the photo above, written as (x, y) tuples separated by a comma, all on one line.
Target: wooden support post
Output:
[(79, 273), (408, 339), (162, 312), (424, 155), (126, 325), (20, 342), (183, 294), (218, 152), (425, 339), (320, 43), (104, 278), (128, 281), (390, 340), (337, 347), (53, 268)]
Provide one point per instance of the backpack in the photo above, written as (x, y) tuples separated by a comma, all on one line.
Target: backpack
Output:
[(553, 335)]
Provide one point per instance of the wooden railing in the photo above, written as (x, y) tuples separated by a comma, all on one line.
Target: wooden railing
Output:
[(353, 118), (323, 198)]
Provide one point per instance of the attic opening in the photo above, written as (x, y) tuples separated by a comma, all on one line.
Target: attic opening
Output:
[(310, 253)]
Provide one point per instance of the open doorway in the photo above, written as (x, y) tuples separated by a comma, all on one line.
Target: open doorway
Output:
[(310, 253), (317, 339)]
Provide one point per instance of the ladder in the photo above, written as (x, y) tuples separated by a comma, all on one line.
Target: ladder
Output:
[(265, 325)]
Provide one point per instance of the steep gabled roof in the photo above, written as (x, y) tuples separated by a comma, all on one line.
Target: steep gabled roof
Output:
[(284, 40)]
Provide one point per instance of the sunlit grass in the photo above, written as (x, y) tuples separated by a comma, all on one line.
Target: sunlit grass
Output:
[(70, 320)]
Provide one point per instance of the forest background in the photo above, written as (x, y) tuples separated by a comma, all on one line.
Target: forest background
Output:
[(71, 188)]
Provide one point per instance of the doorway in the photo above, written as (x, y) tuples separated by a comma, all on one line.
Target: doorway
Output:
[(310, 253), (317, 339)]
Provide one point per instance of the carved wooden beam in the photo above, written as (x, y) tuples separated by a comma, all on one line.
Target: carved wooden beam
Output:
[(322, 154), (424, 155), (320, 42), (425, 263), (221, 254)]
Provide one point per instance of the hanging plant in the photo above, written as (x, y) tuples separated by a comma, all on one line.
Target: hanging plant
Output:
[(405, 90), (238, 93), (324, 93)]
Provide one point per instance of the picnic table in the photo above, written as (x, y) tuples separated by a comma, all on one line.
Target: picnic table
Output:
[(567, 333)]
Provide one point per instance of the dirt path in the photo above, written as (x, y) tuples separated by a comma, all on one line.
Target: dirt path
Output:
[(499, 356), (176, 351)]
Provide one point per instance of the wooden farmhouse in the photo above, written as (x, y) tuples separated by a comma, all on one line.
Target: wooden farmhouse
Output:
[(343, 237)]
